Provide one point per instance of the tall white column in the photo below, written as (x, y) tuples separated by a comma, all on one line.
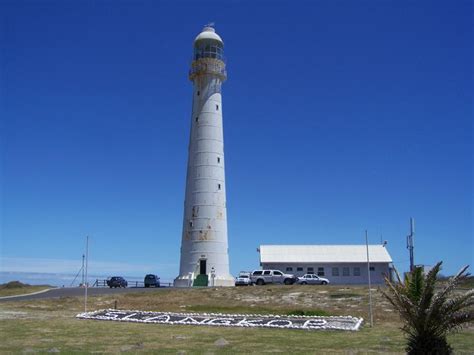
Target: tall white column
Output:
[(204, 246)]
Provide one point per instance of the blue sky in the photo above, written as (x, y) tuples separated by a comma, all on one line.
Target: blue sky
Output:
[(339, 116)]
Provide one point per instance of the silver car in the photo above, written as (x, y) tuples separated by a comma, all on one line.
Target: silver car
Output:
[(243, 280), (311, 279)]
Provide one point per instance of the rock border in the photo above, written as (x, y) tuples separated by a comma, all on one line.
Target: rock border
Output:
[(347, 323)]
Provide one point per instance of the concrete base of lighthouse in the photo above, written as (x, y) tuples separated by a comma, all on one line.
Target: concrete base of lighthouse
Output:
[(187, 281)]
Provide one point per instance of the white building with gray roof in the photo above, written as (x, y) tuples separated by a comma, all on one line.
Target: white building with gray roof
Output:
[(341, 264)]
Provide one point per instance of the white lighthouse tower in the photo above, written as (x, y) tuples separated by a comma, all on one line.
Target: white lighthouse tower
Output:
[(204, 247)]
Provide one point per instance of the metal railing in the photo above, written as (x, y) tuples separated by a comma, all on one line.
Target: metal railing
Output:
[(133, 284)]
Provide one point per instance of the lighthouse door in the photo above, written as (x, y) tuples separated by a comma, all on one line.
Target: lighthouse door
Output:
[(202, 267)]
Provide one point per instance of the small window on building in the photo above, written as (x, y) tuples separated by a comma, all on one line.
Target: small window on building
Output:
[(218, 186), (311, 270), (217, 107), (190, 223), (197, 118), (357, 271), (372, 268), (289, 269), (218, 160), (345, 271), (299, 269), (198, 93), (335, 271), (320, 271)]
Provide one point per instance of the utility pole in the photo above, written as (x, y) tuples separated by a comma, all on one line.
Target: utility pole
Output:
[(82, 282), (368, 273), (410, 245), (86, 281)]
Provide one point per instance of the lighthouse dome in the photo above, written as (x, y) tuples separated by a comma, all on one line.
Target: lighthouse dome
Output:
[(208, 33)]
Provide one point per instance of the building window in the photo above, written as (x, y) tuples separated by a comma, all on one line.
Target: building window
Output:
[(218, 160), (320, 271), (299, 269), (357, 271), (345, 271), (218, 186), (289, 269), (335, 271), (217, 107), (372, 268), (311, 270)]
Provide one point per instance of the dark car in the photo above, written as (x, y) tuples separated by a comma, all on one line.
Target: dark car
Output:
[(152, 280), (117, 281)]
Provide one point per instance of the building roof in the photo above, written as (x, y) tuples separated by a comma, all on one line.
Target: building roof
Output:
[(323, 254)]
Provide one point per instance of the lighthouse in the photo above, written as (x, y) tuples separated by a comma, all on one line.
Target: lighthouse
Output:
[(204, 245)]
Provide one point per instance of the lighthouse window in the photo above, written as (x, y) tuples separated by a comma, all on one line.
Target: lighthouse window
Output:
[(217, 107), (219, 186), (197, 118), (218, 160), (190, 223), (198, 93)]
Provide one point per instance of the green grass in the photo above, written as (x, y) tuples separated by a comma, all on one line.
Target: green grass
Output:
[(49, 325), (344, 295), (308, 312), (14, 288), (69, 335)]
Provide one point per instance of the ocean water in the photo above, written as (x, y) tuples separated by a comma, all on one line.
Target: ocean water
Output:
[(60, 280)]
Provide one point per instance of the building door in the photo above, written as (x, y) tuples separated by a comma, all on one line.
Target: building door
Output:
[(202, 267)]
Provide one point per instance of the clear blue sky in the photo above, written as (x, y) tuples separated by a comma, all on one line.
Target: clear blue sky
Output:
[(339, 116)]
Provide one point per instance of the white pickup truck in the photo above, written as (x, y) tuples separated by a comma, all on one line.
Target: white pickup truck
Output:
[(262, 277)]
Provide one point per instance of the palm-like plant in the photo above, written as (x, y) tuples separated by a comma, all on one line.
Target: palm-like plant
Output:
[(430, 314)]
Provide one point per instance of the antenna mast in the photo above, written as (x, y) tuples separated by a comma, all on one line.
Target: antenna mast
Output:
[(410, 246)]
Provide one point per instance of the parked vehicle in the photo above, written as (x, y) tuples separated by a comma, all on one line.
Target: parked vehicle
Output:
[(152, 280), (311, 279), (262, 277), (243, 279), (117, 281)]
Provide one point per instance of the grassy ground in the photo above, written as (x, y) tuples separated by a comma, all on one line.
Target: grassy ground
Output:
[(49, 325), (17, 288)]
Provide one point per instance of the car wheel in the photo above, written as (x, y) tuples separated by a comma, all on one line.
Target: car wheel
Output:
[(324, 283), (260, 282), (304, 283), (287, 282), (146, 286)]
